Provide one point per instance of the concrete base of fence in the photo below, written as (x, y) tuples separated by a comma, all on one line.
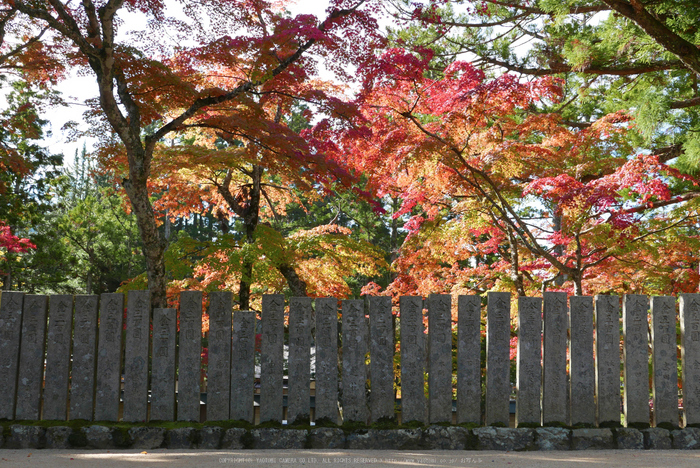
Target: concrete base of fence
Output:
[(435, 437)]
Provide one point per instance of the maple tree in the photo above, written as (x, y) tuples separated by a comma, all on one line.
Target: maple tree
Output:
[(149, 83), (481, 174)]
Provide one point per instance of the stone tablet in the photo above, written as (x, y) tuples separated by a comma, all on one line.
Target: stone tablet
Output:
[(82, 380), (690, 355), (219, 367), (243, 366), (354, 367), (607, 359), (636, 359), (31, 357), (272, 358), (498, 359), (469, 359), (529, 379), (58, 357), (189, 356), (10, 329), (109, 357), (554, 378), (381, 355), (440, 358), (299, 386), (413, 403), (138, 323), (327, 359), (163, 366), (581, 366), (664, 359)]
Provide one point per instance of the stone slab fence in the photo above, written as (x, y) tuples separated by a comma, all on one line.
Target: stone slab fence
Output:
[(106, 359)]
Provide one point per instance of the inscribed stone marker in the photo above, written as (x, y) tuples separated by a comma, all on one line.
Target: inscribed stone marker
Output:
[(10, 329), (109, 357), (498, 358), (189, 356), (381, 352), (354, 367), (554, 381), (243, 366), (271, 358), (163, 368), (440, 358), (82, 376), (31, 357), (636, 359), (607, 359), (582, 367), (327, 359), (58, 357), (219, 367), (690, 355), (469, 359), (529, 380), (138, 321), (664, 359), (413, 404), (299, 386)]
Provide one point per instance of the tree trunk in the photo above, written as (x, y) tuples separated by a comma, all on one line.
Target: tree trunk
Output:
[(296, 284)]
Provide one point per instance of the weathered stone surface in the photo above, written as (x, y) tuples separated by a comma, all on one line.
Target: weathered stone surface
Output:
[(299, 390), (591, 439), (189, 356), (98, 437), (138, 321), (498, 359), (686, 439), (440, 358), (629, 438), (386, 439), (271, 358), (529, 380), (327, 359), (273, 438), (243, 366), (552, 438), (210, 437), (381, 351), (354, 367), (219, 366), (656, 438), (31, 357), (502, 438), (445, 437), (181, 438), (327, 438), (10, 329), (607, 359), (82, 374), (58, 357), (109, 358), (469, 359), (554, 381), (636, 359), (57, 437), (690, 344), (664, 360), (163, 368), (26, 437), (413, 404), (581, 364), (147, 437), (232, 438)]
